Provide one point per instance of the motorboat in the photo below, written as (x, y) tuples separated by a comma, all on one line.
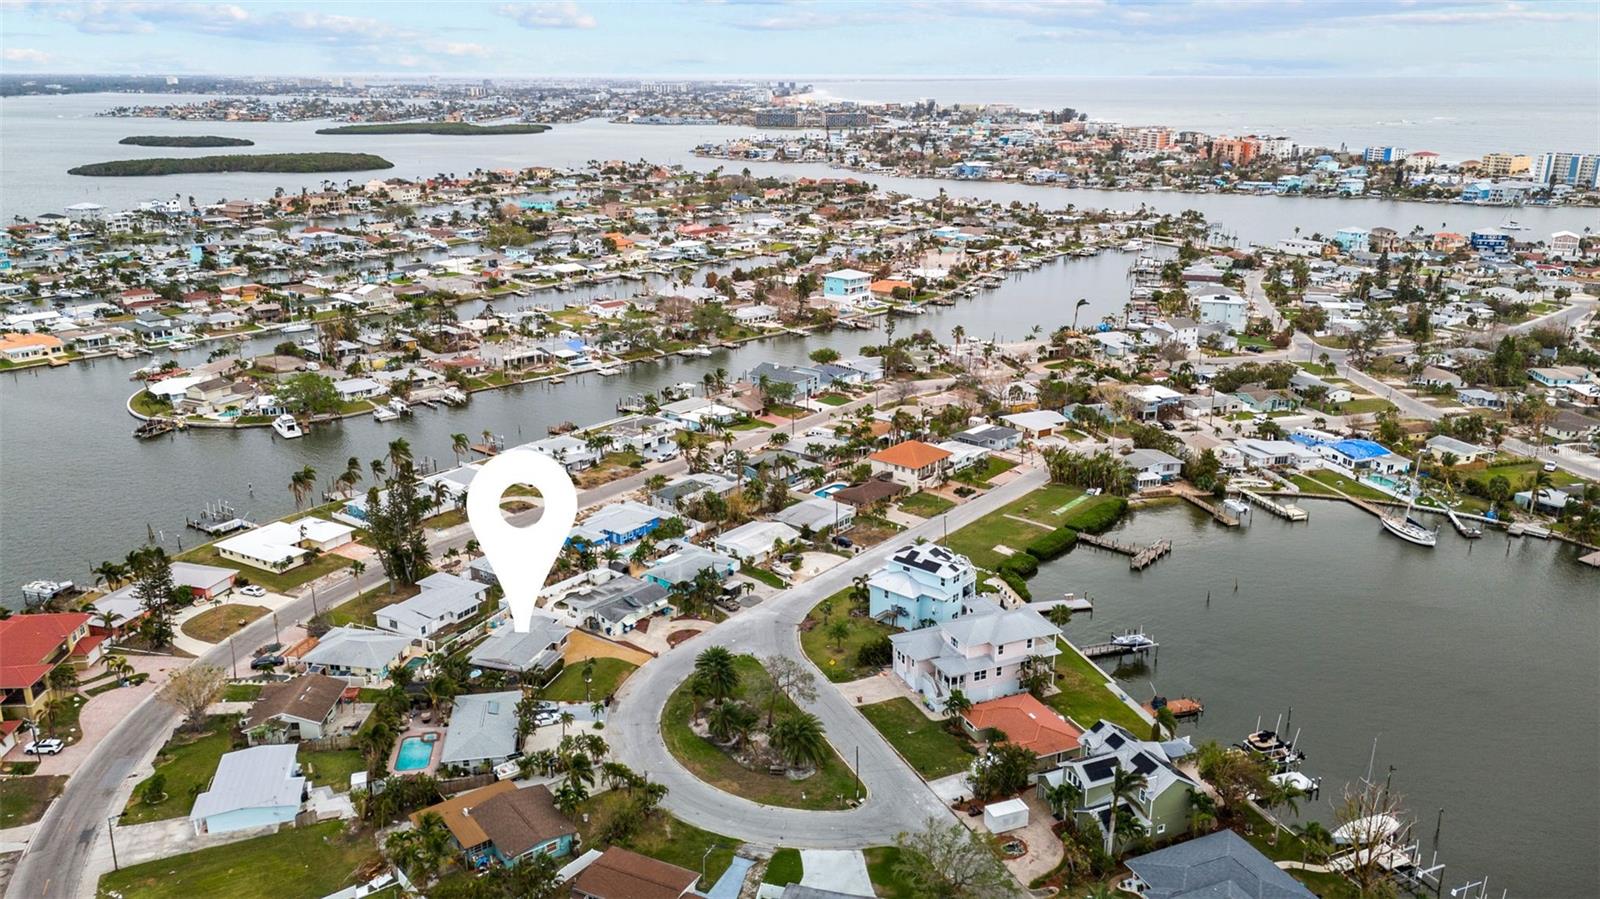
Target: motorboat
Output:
[(287, 426), (297, 328), (1368, 831), (607, 370), (399, 406), (1278, 752), (384, 413), (1134, 641)]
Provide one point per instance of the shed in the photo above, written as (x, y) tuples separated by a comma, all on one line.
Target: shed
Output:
[(1000, 817)]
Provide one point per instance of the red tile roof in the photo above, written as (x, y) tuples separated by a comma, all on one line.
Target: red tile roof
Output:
[(1026, 722), (910, 454), (28, 641)]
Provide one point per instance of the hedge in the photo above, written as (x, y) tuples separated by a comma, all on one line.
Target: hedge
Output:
[(1099, 516), (1022, 563), (1053, 544), (1017, 584)]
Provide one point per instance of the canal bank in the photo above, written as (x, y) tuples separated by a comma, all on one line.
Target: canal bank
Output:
[(1472, 664)]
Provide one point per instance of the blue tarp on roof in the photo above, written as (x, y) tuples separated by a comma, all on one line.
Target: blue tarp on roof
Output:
[(1359, 449)]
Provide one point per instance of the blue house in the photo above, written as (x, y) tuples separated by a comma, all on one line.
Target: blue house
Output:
[(921, 583), (501, 824), (683, 565), (617, 524), (1491, 241), (847, 287), (252, 787), (1352, 239)]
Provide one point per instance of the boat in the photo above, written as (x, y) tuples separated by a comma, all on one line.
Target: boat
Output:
[(154, 427), (1305, 783), (1133, 640), (1407, 527), (607, 370), (557, 379), (177, 345), (384, 413), (297, 328), (702, 351), (1133, 246), (399, 406), (287, 426), (1367, 831), (1281, 754)]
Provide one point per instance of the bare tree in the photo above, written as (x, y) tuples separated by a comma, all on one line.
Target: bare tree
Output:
[(953, 862), (1374, 820), (193, 688), (789, 678)]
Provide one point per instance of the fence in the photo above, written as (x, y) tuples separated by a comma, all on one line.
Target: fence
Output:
[(329, 744)]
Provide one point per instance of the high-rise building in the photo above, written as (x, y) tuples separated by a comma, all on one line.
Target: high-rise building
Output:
[(1575, 169), (1504, 165), (1235, 150), (1384, 154)]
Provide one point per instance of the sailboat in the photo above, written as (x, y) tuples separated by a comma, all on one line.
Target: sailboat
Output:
[(1409, 528)]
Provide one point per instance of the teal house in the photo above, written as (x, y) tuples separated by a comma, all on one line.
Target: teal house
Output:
[(502, 824)]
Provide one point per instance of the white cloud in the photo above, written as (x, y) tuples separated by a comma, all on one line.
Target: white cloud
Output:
[(26, 56), (555, 14)]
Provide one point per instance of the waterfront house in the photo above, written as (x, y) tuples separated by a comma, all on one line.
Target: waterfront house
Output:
[(33, 646), (920, 583), (1352, 239), (501, 824), (622, 874), (294, 710), (253, 787), (28, 347), (445, 600), (538, 650), (282, 545), (1161, 806), (1359, 458), (356, 654), (847, 288), (1025, 721), (1152, 467), (1217, 864), (573, 454), (686, 563), (755, 541), (912, 463), (482, 731), (981, 653)]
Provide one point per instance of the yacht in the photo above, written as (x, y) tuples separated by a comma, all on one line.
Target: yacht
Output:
[(1408, 528), (1277, 751), (1136, 641), (287, 426), (399, 406), (607, 370), (296, 328)]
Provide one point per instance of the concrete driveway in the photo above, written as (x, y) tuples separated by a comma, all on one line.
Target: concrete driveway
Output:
[(897, 799), (100, 714)]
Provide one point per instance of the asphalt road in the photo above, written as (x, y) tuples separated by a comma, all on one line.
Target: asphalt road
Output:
[(897, 799), (57, 858)]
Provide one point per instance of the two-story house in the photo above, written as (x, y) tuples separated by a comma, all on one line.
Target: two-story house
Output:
[(33, 645), (912, 463), (1160, 804), (921, 583), (981, 653)]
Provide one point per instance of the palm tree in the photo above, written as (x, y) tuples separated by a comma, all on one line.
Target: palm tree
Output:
[(301, 483), (838, 631), (955, 705), (1202, 811), (1063, 798), (566, 719), (459, 444), (399, 452), (731, 722), (1059, 616), (110, 573), (798, 738), (1125, 785), (356, 568), (715, 673), (1315, 840)]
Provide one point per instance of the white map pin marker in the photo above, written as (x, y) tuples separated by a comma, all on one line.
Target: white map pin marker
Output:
[(521, 556)]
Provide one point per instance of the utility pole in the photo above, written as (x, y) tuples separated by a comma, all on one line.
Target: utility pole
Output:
[(858, 773), (112, 833), (234, 659)]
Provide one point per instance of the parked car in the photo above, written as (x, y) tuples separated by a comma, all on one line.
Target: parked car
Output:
[(253, 590), (49, 746), (843, 542), (1549, 466), (266, 663)]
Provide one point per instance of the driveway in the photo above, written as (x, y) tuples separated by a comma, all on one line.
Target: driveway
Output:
[(104, 712), (839, 870), (897, 799)]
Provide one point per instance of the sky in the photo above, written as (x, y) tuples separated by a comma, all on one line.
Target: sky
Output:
[(808, 38)]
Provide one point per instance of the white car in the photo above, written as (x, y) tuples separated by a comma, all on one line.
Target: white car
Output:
[(1549, 466), (253, 590), (50, 746)]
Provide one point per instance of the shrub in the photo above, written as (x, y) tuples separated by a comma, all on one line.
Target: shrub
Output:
[(1016, 583), (1023, 564), (1053, 544), (1099, 517), (876, 654)]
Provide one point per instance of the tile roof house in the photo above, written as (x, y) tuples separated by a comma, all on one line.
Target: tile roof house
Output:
[(622, 874), (33, 645), (1027, 722), (912, 463), (1221, 864), (483, 729), (980, 653), (298, 709), (922, 582), (252, 788), (1161, 806), (504, 824)]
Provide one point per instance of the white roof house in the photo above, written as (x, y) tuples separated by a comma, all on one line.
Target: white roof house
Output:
[(483, 728), (507, 650), (445, 599), (252, 787), (282, 545), (754, 540), (356, 652), (818, 514), (1039, 423)]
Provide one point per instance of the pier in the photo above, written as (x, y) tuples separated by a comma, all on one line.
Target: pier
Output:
[(1222, 516), (1129, 644), (1289, 512), (1592, 559), (1139, 557), (1469, 531)]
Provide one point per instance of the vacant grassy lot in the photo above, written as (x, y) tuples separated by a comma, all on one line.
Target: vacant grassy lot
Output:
[(828, 788), (296, 861), (23, 800), (837, 659), (932, 750), (1053, 504), (661, 836), (1085, 698), (608, 676), (276, 581), (1361, 405), (216, 625), (187, 761), (363, 609), (980, 474), (926, 505)]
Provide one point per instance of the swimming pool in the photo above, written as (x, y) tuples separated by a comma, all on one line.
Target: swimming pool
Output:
[(415, 753), (831, 489)]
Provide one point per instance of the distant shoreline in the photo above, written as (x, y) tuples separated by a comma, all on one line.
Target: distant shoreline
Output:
[(449, 129), (181, 140), (257, 162)]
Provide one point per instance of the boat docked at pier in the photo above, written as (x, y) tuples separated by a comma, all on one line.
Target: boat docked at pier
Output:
[(287, 426), (1407, 527), (1266, 744)]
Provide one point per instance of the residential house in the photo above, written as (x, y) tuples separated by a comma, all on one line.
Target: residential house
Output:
[(539, 649), (1560, 376), (912, 463), (1358, 458), (686, 563), (573, 454), (1026, 722), (1465, 453), (283, 545), (1224, 308), (501, 824), (1037, 424), (356, 654), (623, 874), (253, 787), (617, 524), (981, 653), (28, 347), (1264, 401), (990, 437), (445, 600), (33, 646), (1152, 467), (754, 541), (818, 515), (482, 731), (1481, 399), (1161, 806), (614, 606), (920, 583), (293, 710), (962, 455), (1570, 425), (1215, 865), (682, 489), (870, 492), (847, 288)]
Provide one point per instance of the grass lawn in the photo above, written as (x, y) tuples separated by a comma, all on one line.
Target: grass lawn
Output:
[(838, 663), (1053, 504), (784, 868), (926, 505), (363, 609), (1084, 698), (1323, 479), (331, 767), (833, 399), (23, 800), (296, 861), (881, 861), (930, 749), (216, 625), (1366, 405), (828, 788), (763, 575), (187, 761), (276, 581), (241, 693), (608, 676), (980, 475), (661, 837), (751, 424), (1517, 472)]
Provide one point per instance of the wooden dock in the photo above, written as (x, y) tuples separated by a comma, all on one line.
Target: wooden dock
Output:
[(1139, 557), (1469, 531), (1592, 559), (1181, 707), (1112, 649), (1282, 510), (1222, 516)]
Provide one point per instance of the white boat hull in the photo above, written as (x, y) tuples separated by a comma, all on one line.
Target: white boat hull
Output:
[(1410, 531)]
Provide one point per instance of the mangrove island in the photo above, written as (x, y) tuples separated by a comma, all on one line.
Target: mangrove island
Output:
[(259, 162), (185, 140)]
